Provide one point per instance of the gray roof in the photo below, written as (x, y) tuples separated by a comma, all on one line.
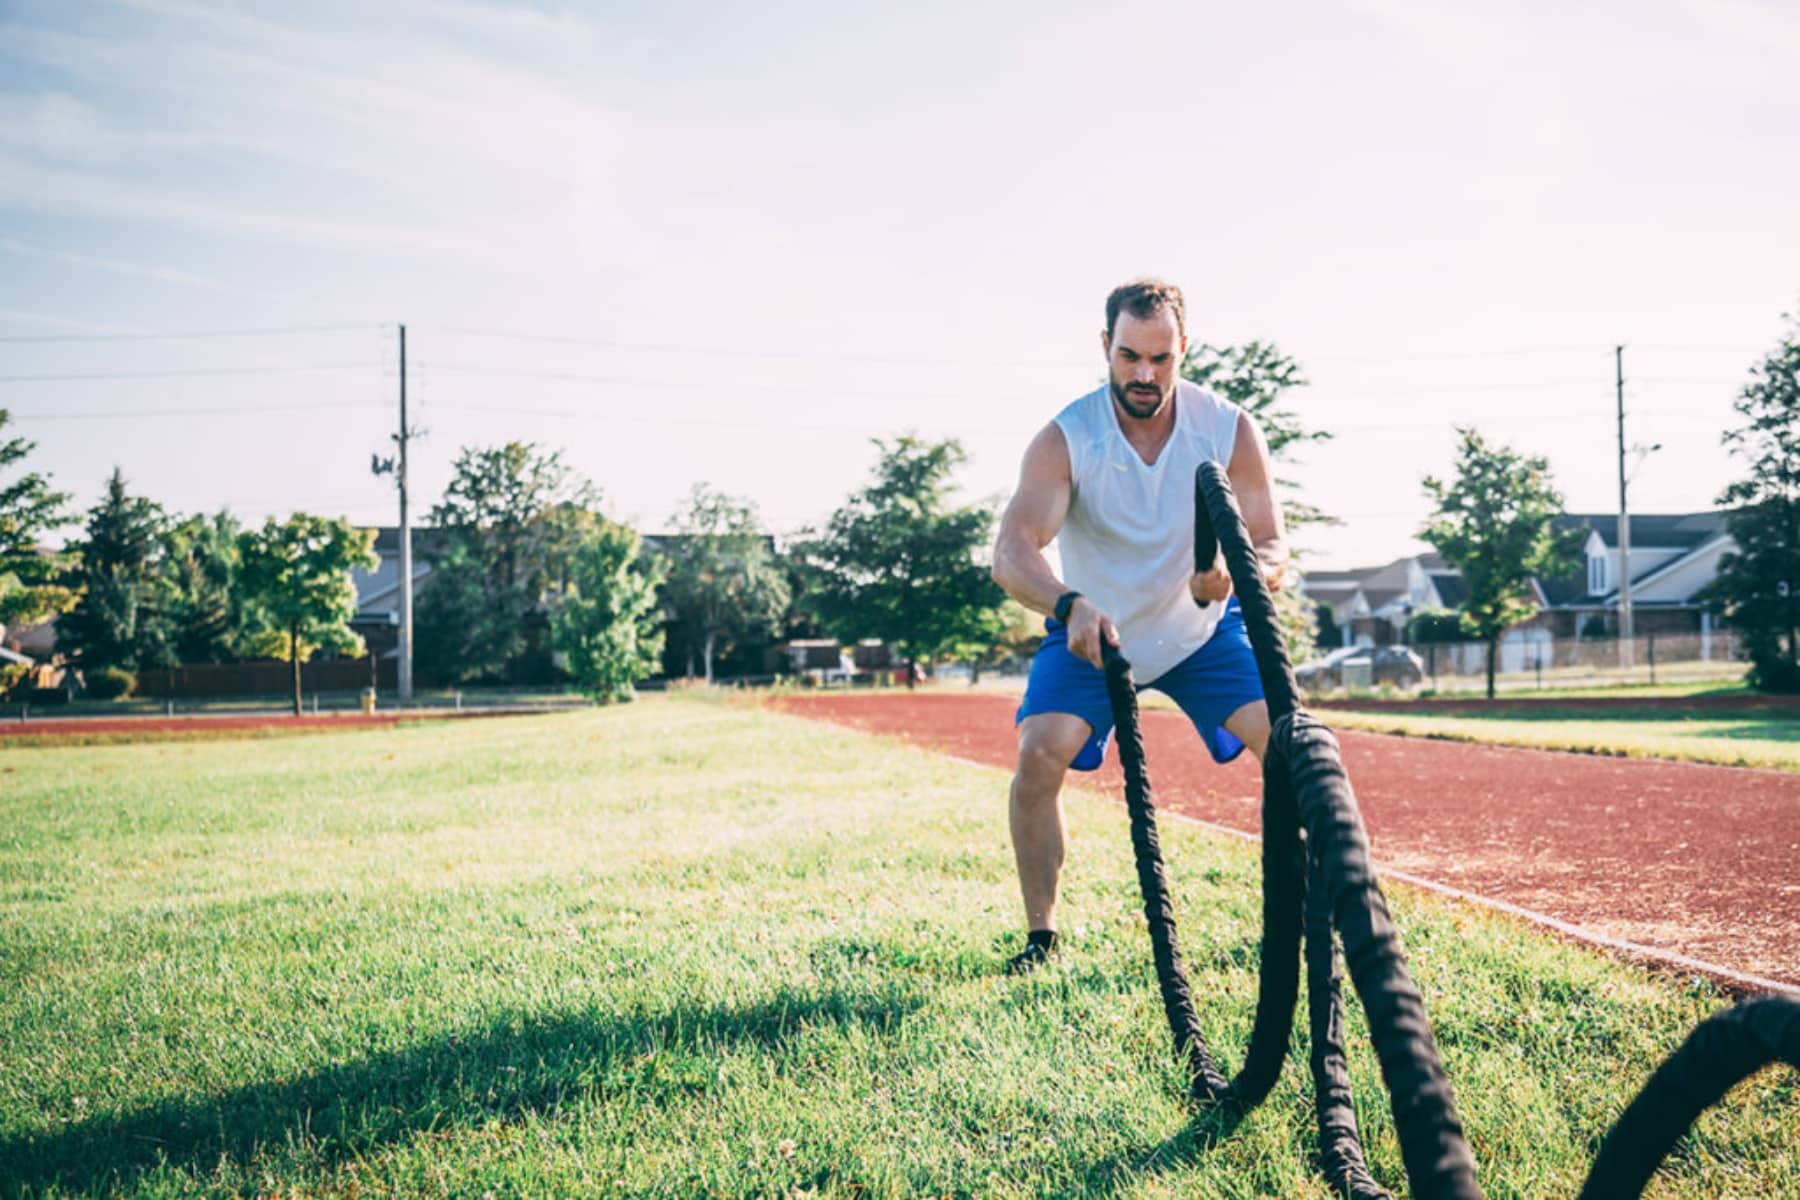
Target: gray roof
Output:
[(427, 541), (1670, 531), (1452, 589)]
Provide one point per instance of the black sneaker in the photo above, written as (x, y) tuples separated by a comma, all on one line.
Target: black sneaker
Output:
[(1034, 955)]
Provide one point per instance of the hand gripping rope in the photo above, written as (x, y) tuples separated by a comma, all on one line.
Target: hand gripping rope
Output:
[(1317, 879)]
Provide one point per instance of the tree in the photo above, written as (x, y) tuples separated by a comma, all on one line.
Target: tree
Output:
[(201, 560), (122, 618), (1256, 377), (511, 517), (1010, 631), (722, 578), (899, 563), (1758, 586), (1435, 626), (1493, 523), (30, 584), (296, 576), (605, 618)]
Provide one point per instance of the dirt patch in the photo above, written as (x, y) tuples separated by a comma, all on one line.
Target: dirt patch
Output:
[(1693, 860)]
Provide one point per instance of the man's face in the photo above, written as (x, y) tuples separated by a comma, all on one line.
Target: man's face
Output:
[(1143, 356)]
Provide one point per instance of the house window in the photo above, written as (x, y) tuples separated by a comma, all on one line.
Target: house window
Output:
[(1596, 574)]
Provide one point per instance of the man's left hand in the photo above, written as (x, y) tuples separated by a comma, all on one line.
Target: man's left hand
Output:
[(1210, 585)]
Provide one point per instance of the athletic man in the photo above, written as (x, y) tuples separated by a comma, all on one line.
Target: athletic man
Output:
[(1112, 477)]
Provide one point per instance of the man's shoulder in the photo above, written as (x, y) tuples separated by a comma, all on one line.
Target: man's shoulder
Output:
[(1189, 392), (1080, 417)]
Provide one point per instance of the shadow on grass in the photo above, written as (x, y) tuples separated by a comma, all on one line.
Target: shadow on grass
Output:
[(1122, 1172), (511, 1067)]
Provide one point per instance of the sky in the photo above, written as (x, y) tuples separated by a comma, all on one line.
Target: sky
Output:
[(733, 243)]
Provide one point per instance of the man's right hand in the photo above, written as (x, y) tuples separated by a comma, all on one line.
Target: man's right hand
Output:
[(1087, 625)]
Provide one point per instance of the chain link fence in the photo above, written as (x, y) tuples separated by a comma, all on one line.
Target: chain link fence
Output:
[(1533, 661)]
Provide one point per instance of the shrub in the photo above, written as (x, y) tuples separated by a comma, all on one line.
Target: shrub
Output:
[(110, 683), (1436, 625)]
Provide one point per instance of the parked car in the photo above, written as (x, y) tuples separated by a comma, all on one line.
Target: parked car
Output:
[(1363, 666)]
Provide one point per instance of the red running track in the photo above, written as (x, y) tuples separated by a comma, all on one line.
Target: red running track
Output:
[(1686, 859)]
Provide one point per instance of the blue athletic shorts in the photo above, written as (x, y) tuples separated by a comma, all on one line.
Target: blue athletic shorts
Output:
[(1209, 685)]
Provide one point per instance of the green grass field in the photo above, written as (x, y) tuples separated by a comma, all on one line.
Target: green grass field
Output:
[(688, 947), (1746, 739)]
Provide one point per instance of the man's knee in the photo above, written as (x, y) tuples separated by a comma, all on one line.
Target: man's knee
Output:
[(1048, 743)]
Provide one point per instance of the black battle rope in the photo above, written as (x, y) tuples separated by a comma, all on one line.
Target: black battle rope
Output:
[(1340, 1142), (1332, 885), (1724, 1049), (1432, 1145), (1282, 898)]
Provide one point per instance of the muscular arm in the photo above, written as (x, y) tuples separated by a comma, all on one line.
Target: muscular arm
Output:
[(1252, 479), (1031, 520), (1253, 482)]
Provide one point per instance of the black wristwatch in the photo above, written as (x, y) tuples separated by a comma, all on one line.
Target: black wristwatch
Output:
[(1064, 602)]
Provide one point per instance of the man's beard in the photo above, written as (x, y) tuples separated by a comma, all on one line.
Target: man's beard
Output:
[(1137, 404)]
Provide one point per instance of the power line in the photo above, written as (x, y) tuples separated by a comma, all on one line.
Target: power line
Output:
[(737, 352), (677, 385), (186, 372), (128, 414), (928, 360), (188, 335), (704, 422)]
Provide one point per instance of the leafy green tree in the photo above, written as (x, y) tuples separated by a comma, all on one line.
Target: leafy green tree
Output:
[(723, 581), (1758, 587), (898, 562), (31, 587), (295, 576), (511, 517), (122, 618), (1010, 631), (605, 621), (1493, 523), (1256, 377), (1435, 626), (201, 559)]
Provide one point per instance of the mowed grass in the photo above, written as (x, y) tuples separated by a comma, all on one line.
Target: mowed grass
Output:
[(1739, 739), (690, 948)]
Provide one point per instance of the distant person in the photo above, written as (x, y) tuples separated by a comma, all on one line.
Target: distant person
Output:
[(1112, 478)]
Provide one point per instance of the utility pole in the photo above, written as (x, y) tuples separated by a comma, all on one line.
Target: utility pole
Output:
[(1625, 633), (397, 468), (406, 560)]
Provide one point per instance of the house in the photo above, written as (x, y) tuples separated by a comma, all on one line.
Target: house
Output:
[(1673, 557), (377, 616), (1371, 605)]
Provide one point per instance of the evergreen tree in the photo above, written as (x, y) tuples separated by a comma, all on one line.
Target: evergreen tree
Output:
[(201, 558), (30, 584), (123, 617)]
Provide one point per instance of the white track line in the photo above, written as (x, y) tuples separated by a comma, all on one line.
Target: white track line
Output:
[(1618, 945)]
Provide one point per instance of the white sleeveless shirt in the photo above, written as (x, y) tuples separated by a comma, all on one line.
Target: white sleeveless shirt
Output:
[(1127, 543)]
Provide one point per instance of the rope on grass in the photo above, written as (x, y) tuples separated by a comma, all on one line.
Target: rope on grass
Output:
[(1331, 884), (1725, 1049)]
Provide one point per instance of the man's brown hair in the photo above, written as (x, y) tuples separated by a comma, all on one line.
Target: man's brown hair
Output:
[(1145, 298)]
